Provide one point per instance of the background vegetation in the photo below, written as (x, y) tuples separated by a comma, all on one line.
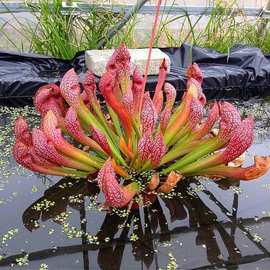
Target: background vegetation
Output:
[(220, 30), (50, 31)]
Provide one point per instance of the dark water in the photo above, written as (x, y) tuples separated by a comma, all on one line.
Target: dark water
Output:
[(53, 223)]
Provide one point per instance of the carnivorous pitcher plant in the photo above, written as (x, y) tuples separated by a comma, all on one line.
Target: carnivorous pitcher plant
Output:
[(133, 143)]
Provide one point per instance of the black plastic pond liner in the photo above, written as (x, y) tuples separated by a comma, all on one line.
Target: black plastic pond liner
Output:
[(241, 74)]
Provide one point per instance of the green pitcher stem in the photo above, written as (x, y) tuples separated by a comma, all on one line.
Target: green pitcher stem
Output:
[(179, 150), (197, 153), (179, 135), (104, 123), (176, 113), (199, 165), (115, 121), (71, 172), (89, 119)]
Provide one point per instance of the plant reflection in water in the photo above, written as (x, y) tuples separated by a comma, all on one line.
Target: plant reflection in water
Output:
[(144, 230), (141, 228)]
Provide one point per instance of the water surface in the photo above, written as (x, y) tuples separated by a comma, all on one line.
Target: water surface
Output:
[(54, 223)]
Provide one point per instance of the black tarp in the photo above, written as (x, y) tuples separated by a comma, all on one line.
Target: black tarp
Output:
[(242, 73)]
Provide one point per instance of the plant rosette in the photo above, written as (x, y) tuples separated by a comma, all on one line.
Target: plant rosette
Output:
[(136, 145)]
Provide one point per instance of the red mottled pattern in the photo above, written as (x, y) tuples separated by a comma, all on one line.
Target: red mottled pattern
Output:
[(119, 61), (213, 116), (101, 139), (21, 154), (114, 194), (27, 157), (108, 184), (89, 85), (73, 126), (165, 118), (106, 171), (137, 90), (122, 57), (230, 120), (24, 145), (158, 149), (194, 82), (148, 114), (128, 101), (89, 80), (170, 93), (158, 103), (194, 71), (51, 131), (48, 98), (196, 113), (22, 131), (242, 138), (45, 148), (48, 151), (70, 88), (85, 99), (111, 65), (39, 160), (145, 146), (106, 84)]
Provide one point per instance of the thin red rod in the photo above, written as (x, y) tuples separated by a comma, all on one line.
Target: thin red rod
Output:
[(153, 34)]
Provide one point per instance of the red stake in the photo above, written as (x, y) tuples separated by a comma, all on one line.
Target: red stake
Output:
[(153, 34)]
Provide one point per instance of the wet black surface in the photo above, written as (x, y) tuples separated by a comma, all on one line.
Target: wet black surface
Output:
[(55, 223), (241, 74)]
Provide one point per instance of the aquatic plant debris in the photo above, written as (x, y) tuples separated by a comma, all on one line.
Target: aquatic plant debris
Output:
[(172, 263), (22, 261), (43, 266), (8, 117), (8, 236)]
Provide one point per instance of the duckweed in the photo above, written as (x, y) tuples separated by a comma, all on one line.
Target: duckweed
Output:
[(22, 261), (43, 266), (8, 236)]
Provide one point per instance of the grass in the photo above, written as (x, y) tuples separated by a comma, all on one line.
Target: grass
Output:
[(55, 33), (221, 30), (62, 35), (52, 32)]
